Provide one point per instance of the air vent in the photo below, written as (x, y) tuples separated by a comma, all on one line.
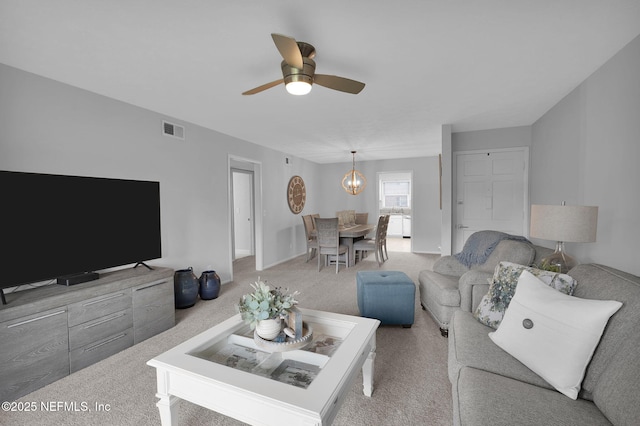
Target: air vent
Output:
[(173, 130)]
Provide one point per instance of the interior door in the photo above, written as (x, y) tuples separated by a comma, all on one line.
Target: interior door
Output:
[(243, 229), (491, 193)]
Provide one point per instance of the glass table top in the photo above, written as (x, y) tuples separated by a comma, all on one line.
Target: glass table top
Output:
[(299, 367)]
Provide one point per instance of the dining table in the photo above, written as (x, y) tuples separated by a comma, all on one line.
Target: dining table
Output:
[(350, 233)]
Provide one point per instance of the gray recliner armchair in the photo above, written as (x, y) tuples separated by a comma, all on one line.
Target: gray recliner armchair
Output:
[(451, 285)]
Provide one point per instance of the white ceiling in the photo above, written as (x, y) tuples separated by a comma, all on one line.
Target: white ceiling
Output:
[(469, 63)]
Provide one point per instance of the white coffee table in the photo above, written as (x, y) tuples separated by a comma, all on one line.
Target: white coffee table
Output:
[(224, 370)]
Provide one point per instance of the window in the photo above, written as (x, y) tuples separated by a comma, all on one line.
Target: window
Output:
[(396, 194)]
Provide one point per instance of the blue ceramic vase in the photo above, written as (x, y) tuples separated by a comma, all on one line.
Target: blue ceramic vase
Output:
[(185, 288), (209, 285)]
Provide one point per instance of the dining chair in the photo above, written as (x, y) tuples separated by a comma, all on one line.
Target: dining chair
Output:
[(369, 244), (328, 235), (362, 218), (346, 218), (312, 241), (384, 237), (351, 217)]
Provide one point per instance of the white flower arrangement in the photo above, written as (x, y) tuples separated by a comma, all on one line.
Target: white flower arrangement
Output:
[(266, 303)]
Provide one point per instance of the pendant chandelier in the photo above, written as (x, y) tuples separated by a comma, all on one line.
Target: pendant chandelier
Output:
[(353, 181)]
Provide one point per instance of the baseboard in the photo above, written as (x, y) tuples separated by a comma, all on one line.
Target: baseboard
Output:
[(282, 261), (427, 252)]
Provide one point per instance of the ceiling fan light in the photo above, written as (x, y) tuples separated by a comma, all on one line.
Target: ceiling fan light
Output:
[(298, 87)]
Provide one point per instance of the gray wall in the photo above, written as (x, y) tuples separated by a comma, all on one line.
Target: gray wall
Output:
[(509, 137), (425, 212), (586, 151), (50, 127)]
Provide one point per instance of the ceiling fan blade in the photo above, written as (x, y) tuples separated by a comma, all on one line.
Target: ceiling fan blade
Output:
[(263, 87), (288, 48), (339, 83)]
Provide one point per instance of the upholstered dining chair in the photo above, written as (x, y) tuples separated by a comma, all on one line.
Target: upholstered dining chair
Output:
[(369, 244), (328, 235), (312, 241), (384, 237), (362, 218)]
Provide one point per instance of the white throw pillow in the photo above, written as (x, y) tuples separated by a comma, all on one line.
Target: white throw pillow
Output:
[(553, 334)]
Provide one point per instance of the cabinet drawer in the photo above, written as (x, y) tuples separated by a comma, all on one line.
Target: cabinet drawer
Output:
[(99, 328), (144, 330), (153, 309), (152, 293), (34, 351), (96, 351), (97, 307)]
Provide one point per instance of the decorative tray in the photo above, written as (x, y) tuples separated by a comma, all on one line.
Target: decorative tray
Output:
[(289, 345)]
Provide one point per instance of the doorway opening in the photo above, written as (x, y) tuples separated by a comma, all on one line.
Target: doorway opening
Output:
[(245, 205), (242, 219), (395, 190)]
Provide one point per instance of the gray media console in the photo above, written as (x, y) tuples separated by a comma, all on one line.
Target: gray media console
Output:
[(48, 332)]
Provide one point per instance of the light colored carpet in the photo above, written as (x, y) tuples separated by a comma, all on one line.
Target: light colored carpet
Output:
[(410, 380)]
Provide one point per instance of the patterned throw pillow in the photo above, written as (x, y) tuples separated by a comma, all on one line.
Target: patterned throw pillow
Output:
[(503, 285)]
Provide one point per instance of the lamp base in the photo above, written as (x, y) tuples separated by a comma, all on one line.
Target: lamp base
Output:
[(559, 261)]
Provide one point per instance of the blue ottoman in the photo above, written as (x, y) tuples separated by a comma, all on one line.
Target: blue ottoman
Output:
[(388, 296)]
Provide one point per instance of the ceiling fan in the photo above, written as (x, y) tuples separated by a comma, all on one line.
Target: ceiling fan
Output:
[(298, 70)]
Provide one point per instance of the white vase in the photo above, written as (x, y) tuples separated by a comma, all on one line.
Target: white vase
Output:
[(268, 329)]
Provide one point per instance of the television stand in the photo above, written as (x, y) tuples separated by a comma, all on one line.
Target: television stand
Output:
[(50, 331), (143, 264)]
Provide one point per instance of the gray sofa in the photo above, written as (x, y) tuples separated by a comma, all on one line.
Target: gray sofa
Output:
[(490, 387), (451, 286)]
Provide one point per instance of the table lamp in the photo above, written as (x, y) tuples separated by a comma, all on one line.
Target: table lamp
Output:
[(562, 223)]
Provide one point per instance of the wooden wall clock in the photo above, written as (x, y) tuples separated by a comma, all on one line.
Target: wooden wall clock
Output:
[(296, 194)]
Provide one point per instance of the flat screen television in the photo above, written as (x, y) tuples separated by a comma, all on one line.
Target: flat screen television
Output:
[(57, 226)]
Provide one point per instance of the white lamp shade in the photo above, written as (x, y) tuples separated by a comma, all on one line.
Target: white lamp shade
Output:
[(574, 224)]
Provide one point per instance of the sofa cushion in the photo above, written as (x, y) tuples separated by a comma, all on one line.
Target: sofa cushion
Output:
[(473, 286), (616, 393), (509, 250), (470, 345), (605, 283), (552, 333), (522, 252), (503, 285), (485, 399), (449, 265)]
